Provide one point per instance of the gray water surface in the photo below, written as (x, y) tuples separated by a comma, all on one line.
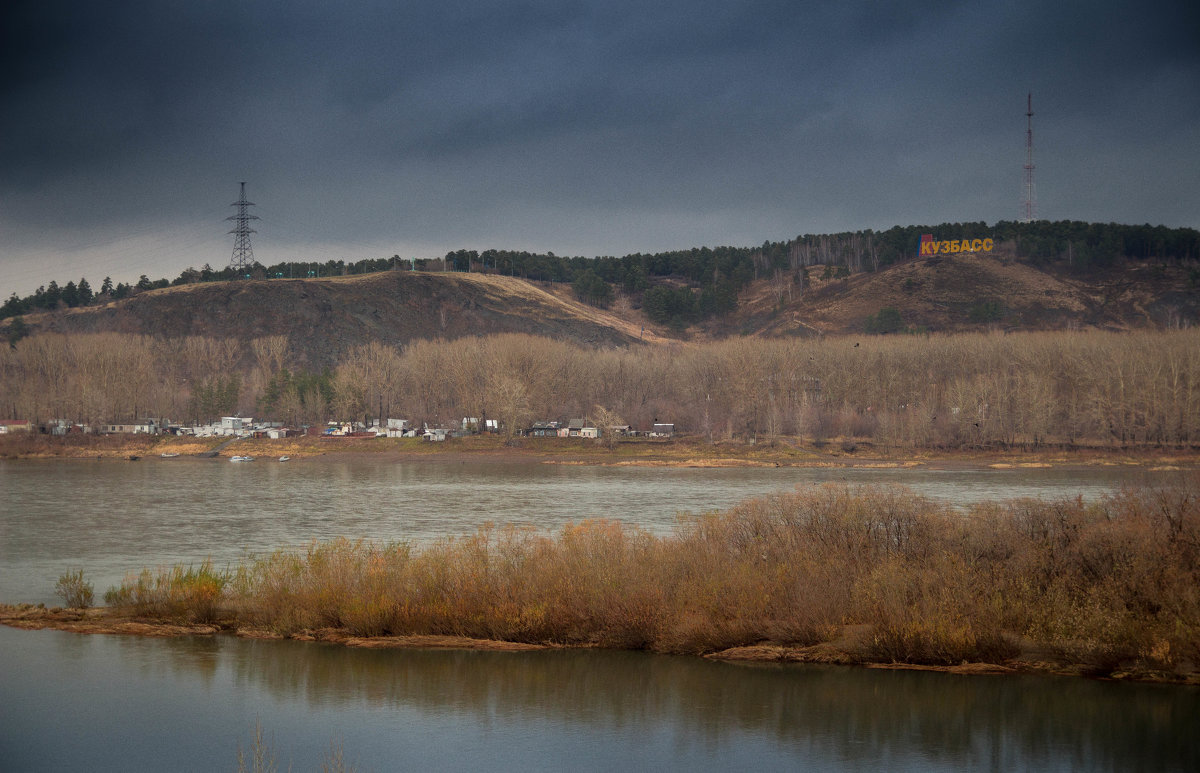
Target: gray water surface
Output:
[(77, 702), (113, 518), (109, 703)]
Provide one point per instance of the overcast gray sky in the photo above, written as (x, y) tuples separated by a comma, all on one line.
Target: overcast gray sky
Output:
[(582, 127)]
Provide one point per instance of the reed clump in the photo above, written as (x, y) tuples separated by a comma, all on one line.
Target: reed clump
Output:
[(1113, 584), (189, 594)]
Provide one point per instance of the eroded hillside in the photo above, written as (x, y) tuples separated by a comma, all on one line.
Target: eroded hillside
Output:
[(322, 318), (969, 292)]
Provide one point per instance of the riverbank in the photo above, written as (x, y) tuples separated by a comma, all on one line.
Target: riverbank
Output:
[(679, 452), (850, 648)]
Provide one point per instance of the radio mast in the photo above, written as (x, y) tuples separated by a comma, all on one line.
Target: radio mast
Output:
[(243, 255), (1030, 211)]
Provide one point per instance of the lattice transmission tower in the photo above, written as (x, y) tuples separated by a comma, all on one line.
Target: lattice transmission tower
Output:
[(1030, 210), (243, 254)]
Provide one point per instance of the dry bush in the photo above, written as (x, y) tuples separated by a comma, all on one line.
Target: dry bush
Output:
[(341, 583), (1109, 584), (75, 591), (191, 594)]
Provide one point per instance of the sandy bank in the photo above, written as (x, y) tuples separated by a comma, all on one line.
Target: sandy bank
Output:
[(681, 452)]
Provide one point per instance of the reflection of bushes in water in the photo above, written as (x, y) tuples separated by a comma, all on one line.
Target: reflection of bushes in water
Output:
[(810, 705), (1105, 584), (261, 757)]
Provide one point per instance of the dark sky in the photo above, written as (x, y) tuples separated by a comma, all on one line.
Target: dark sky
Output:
[(414, 127)]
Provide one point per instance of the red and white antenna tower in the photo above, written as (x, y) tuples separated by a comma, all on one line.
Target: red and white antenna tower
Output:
[(1030, 211)]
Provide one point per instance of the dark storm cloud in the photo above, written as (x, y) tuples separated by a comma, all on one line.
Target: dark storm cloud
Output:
[(583, 127)]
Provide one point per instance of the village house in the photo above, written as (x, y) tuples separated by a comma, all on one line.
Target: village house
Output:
[(573, 429), (144, 427), (228, 426), (9, 426), (663, 430), (541, 429), (62, 427), (400, 428), (470, 424)]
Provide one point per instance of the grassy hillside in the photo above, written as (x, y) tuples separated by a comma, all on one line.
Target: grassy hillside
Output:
[(954, 293), (324, 317)]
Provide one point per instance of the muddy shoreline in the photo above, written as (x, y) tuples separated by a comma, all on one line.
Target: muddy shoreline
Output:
[(844, 651), (681, 452)]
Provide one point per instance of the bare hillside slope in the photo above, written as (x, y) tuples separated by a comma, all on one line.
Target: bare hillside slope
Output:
[(324, 317)]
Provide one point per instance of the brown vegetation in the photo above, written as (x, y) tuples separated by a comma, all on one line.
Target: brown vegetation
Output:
[(1110, 587), (325, 317), (948, 292), (952, 391)]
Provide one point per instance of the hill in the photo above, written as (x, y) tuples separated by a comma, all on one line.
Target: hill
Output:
[(951, 293), (324, 317)]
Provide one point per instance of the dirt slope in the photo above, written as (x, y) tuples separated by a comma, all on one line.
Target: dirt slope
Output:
[(953, 293), (323, 317)]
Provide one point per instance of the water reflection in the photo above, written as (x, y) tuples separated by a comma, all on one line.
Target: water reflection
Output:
[(115, 703), (193, 699), (847, 714)]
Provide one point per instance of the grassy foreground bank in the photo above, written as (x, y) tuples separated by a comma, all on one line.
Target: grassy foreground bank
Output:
[(833, 573)]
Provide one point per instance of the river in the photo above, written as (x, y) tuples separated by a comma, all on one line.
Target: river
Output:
[(71, 702)]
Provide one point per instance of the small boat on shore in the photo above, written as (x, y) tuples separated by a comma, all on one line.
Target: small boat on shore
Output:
[(168, 455), (284, 458), (241, 458)]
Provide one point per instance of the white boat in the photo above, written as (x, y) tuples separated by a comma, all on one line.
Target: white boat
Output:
[(241, 458), (169, 456), (284, 458)]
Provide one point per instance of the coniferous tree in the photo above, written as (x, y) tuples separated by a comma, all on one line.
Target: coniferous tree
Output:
[(70, 295)]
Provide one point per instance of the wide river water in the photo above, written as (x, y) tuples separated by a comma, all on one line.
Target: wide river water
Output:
[(70, 702)]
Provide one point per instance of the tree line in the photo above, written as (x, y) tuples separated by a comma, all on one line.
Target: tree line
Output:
[(684, 286), (921, 391)]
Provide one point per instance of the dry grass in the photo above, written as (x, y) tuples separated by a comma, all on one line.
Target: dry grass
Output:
[(1115, 584), (191, 594)]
